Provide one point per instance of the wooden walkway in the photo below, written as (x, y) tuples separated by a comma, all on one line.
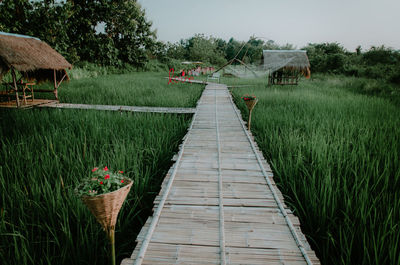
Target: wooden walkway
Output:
[(218, 203), (117, 108), (12, 104)]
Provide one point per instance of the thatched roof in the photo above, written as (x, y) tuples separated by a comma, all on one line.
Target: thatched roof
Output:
[(277, 59), (26, 54)]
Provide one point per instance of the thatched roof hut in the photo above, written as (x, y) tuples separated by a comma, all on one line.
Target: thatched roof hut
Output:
[(30, 56), (286, 62), (33, 58)]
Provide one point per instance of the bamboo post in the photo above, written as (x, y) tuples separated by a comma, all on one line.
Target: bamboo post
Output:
[(249, 123), (15, 86), (111, 235), (250, 106), (55, 84)]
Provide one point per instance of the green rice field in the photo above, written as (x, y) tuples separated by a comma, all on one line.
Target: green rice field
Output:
[(335, 155), (334, 152), (133, 89), (45, 152)]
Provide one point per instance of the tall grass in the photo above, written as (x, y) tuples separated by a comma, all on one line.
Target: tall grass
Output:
[(133, 89), (44, 154), (335, 155)]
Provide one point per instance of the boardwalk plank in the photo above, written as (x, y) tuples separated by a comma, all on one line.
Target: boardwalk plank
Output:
[(189, 229)]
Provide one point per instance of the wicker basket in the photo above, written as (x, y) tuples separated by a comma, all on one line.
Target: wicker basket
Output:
[(251, 103), (105, 207)]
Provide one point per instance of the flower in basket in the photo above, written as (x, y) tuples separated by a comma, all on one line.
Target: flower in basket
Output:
[(104, 192), (248, 97), (100, 181)]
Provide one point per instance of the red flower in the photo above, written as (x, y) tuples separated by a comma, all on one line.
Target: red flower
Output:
[(94, 169), (120, 171), (105, 168), (122, 181), (107, 176), (101, 182)]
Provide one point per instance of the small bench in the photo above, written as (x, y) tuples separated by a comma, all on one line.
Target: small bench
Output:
[(214, 76)]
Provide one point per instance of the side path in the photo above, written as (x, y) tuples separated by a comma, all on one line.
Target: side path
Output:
[(117, 108), (218, 203)]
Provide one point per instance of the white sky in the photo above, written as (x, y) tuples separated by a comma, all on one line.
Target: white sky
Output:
[(350, 23)]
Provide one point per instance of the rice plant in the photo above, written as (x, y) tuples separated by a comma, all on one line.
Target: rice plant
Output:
[(133, 89), (335, 155), (45, 153)]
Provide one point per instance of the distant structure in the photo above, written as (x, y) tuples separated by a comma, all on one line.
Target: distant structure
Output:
[(285, 66), (35, 61)]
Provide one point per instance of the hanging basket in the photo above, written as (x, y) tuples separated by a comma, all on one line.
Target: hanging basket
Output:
[(105, 207), (251, 103)]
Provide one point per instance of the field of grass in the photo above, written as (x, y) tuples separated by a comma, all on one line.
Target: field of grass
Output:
[(44, 154), (132, 89), (335, 154)]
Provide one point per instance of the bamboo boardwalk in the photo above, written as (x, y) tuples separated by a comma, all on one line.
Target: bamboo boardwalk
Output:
[(218, 203), (117, 108)]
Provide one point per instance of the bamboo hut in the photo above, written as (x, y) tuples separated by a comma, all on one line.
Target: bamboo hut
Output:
[(30, 61), (285, 67)]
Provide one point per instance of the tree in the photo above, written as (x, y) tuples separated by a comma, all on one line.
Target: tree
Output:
[(126, 24), (326, 57), (70, 27)]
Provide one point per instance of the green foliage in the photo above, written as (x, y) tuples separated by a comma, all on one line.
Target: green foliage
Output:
[(100, 181), (156, 66), (201, 48), (379, 63), (70, 28), (133, 89), (41, 219), (326, 57), (381, 55), (217, 52), (334, 154)]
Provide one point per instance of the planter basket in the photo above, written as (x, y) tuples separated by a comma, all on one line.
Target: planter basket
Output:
[(105, 207), (251, 103)]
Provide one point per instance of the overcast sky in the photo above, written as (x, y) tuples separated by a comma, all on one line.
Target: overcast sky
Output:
[(349, 22)]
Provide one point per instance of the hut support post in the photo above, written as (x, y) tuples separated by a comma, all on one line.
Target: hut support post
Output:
[(15, 86), (55, 84)]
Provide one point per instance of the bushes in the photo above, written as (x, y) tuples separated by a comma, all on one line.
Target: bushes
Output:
[(378, 62), (87, 69)]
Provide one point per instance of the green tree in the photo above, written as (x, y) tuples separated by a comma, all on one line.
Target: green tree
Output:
[(70, 27), (127, 26)]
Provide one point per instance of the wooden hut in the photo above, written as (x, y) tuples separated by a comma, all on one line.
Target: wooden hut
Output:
[(285, 66), (30, 61)]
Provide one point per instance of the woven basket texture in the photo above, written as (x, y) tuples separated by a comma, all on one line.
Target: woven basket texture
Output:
[(105, 207), (251, 103)]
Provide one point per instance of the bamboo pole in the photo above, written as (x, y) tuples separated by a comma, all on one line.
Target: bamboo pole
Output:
[(15, 86), (220, 191), (55, 85), (111, 236), (230, 61), (249, 123)]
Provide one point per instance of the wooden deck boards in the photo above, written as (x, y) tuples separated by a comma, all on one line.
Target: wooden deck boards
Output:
[(118, 108), (188, 230), (29, 103)]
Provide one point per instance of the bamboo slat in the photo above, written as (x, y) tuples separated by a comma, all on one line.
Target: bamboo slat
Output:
[(219, 208), (119, 108)]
